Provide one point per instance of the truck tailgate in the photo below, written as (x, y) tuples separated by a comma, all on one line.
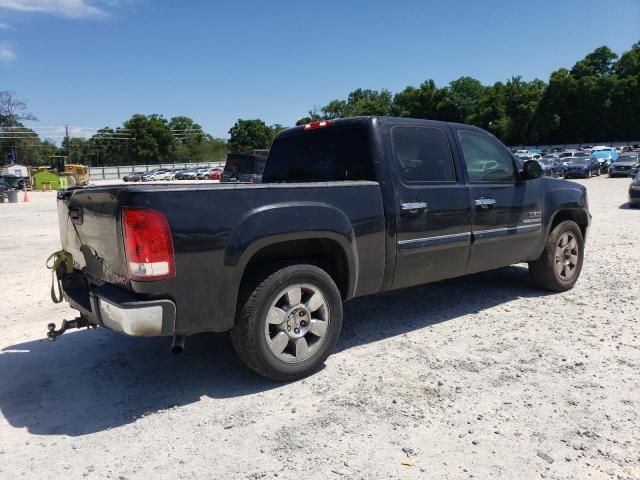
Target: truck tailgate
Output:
[(90, 230)]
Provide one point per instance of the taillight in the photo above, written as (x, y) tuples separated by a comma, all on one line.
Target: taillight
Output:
[(314, 125), (148, 244)]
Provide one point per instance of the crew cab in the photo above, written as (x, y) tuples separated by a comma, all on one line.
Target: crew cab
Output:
[(346, 208)]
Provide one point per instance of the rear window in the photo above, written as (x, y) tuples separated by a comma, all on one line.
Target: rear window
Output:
[(244, 163), (321, 155)]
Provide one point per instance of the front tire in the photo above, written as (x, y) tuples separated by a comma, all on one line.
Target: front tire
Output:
[(289, 323), (559, 266)]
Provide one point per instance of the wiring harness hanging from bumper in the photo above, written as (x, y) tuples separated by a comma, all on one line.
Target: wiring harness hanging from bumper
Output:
[(56, 261)]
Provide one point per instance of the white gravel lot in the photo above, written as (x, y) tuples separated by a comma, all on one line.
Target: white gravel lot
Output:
[(482, 377)]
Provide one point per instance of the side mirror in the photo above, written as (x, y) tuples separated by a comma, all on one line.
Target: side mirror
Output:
[(531, 170)]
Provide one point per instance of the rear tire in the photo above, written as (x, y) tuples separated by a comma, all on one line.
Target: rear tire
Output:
[(560, 264), (289, 323)]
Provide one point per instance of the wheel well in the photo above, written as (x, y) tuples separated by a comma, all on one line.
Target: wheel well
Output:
[(323, 253), (577, 216)]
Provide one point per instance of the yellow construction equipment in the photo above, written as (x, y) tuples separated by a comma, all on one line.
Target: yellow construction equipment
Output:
[(76, 174)]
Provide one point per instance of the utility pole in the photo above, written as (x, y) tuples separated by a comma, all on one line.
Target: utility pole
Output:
[(66, 139)]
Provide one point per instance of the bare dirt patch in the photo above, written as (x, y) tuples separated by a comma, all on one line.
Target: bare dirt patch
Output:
[(483, 376)]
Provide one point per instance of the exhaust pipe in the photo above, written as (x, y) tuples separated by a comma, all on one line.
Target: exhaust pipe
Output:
[(177, 345)]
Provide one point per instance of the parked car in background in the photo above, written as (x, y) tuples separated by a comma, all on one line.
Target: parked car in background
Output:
[(146, 176), (159, 174), (582, 167), (605, 156), (198, 173), (213, 173), (551, 166), (634, 192), (188, 174), (522, 153), (178, 171), (203, 172), (133, 177), (626, 165), (566, 161)]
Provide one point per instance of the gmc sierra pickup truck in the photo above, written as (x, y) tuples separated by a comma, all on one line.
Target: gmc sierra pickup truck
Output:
[(346, 208)]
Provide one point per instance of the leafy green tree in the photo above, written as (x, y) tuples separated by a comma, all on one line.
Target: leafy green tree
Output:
[(312, 116), (417, 102), (335, 109), (629, 63), (460, 100), (248, 135), (598, 63), (151, 139), (490, 111), (521, 100), (598, 99), (186, 130)]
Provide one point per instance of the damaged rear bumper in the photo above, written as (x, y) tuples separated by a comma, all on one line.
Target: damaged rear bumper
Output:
[(122, 311)]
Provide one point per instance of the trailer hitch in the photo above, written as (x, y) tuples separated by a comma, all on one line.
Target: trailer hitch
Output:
[(78, 322)]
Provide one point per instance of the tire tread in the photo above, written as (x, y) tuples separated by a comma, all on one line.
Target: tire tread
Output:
[(243, 334), (542, 270)]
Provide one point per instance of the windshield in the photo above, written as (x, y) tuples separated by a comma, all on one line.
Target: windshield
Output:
[(627, 158), (581, 161)]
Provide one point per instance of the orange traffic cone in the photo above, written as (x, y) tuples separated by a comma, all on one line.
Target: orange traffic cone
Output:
[(26, 196)]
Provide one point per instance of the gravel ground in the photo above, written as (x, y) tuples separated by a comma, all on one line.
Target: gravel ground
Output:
[(480, 377)]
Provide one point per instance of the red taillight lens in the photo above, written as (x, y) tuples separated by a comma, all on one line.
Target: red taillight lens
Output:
[(148, 244), (314, 125)]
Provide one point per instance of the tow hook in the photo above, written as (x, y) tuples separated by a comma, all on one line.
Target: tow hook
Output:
[(78, 322)]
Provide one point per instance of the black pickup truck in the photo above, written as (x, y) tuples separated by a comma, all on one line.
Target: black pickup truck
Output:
[(346, 208)]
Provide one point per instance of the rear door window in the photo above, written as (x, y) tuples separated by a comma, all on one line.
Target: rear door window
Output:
[(321, 155), (422, 154)]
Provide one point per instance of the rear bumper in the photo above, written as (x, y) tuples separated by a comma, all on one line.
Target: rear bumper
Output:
[(121, 311)]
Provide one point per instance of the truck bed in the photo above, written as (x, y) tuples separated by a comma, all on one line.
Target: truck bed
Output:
[(220, 228)]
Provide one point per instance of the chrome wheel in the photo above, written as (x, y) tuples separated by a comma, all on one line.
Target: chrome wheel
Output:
[(567, 256), (297, 323)]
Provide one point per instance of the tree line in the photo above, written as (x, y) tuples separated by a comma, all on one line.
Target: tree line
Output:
[(142, 139), (598, 99)]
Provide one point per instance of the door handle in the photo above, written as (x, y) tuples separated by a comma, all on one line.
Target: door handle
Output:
[(485, 202), (414, 207)]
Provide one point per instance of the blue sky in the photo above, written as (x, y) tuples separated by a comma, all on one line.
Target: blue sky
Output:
[(94, 63)]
